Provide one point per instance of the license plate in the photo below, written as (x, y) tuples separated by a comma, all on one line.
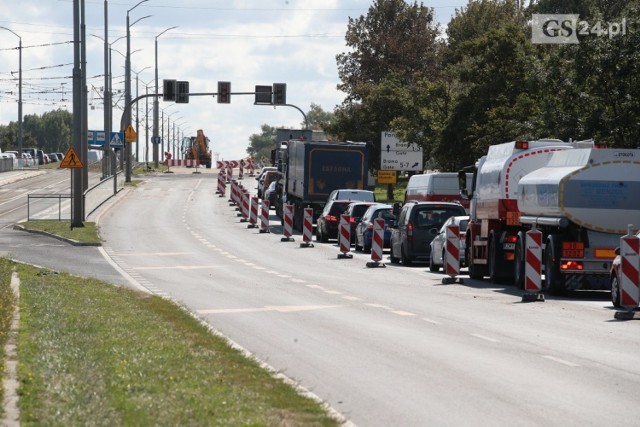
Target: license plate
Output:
[(509, 246)]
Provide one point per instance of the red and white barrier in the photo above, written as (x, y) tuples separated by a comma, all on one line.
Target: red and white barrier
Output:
[(253, 215), (222, 186), (246, 202), (241, 170), (307, 228), (232, 192), (533, 266), (229, 173), (377, 242), (184, 162), (344, 237), (630, 271), (452, 253), (287, 230), (264, 217), (252, 167)]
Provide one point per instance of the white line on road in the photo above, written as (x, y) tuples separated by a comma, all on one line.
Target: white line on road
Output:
[(564, 362), (402, 313), (386, 307), (483, 337), (431, 321)]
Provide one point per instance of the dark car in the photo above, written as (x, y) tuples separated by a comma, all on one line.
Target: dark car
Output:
[(413, 232), (364, 230), (329, 220), (355, 211)]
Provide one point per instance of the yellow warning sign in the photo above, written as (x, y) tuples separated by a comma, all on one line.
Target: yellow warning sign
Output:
[(130, 134), (71, 160), (387, 177)]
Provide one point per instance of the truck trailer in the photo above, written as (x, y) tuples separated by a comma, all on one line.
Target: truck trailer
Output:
[(313, 169), (580, 196)]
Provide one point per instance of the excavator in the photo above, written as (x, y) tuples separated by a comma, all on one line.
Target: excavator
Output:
[(197, 147)]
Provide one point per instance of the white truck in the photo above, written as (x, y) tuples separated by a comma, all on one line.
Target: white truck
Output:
[(579, 196)]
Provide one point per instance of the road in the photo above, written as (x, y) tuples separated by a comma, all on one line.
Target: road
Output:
[(382, 346)]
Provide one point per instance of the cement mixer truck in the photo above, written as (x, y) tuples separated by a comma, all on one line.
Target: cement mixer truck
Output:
[(580, 196)]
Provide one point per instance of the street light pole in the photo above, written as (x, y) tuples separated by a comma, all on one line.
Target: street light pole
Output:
[(138, 113), (127, 90), (19, 90), (156, 107)]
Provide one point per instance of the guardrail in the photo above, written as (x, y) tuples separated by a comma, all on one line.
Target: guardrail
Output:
[(58, 206)]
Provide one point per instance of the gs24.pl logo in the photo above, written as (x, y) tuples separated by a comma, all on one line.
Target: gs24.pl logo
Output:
[(565, 28)]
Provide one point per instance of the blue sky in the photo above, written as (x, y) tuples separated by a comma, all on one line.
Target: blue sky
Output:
[(250, 42)]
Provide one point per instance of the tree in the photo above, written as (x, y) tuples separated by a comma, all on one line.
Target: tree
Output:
[(260, 145), (318, 118)]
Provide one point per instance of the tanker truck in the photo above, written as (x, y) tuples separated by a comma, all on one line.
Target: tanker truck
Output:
[(580, 196)]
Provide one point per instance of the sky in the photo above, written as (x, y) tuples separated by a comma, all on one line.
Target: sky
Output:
[(245, 42)]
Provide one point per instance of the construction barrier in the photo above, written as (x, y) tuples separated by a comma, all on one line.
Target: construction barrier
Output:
[(185, 162), (246, 202), (229, 173), (252, 167), (253, 215), (344, 237), (222, 186), (241, 170), (451, 259), (232, 193), (533, 266), (377, 242), (287, 230), (264, 217), (629, 275), (307, 228)]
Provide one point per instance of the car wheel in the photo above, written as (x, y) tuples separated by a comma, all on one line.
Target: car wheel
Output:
[(432, 265), (392, 258), (405, 259), (615, 290)]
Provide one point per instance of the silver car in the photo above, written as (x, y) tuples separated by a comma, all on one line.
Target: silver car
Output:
[(436, 260)]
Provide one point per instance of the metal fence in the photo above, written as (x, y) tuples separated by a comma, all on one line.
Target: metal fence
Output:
[(58, 206)]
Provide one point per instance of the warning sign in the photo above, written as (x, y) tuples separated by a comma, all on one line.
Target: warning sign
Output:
[(71, 160), (130, 134)]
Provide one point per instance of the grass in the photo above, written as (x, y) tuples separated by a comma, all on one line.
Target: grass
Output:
[(94, 354), (86, 234), (398, 191), (7, 304)]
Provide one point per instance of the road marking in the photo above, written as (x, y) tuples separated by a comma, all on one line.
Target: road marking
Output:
[(386, 307), (402, 313), (277, 308), (257, 267), (298, 280), (327, 291), (482, 337), (351, 298), (178, 267), (431, 321), (316, 287), (157, 253), (272, 272), (564, 362)]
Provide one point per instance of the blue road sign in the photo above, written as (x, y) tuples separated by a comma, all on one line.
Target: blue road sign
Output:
[(96, 137)]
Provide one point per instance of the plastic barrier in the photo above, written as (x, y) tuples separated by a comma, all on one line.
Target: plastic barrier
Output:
[(252, 167), (185, 162), (307, 228), (229, 173), (241, 170), (344, 237), (253, 215), (222, 186), (629, 275), (451, 258), (246, 202), (287, 230), (377, 242), (533, 266), (232, 193), (264, 217)]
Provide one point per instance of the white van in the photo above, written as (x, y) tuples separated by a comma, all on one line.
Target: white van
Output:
[(436, 187)]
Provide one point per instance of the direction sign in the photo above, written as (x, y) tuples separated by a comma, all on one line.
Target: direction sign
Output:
[(399, 156)]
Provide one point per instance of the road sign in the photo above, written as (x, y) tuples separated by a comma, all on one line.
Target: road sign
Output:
[(71, 160), (156, 140), (387, 177), (130, 134), (96, 137), (399, 156)]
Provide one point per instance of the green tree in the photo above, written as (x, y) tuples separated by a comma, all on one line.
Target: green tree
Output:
[(260, 145), (318, 118)]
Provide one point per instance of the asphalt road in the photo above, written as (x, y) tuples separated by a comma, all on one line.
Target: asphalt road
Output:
[(383, 346)]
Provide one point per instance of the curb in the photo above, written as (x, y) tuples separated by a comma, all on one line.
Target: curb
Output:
[(64, 239)]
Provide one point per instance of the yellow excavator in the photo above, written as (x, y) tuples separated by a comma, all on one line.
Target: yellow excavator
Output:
[(197, 147)]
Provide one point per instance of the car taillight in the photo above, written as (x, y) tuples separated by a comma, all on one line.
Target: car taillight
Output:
[(510, 239), (331, 218), (571, 265), (409, 231)]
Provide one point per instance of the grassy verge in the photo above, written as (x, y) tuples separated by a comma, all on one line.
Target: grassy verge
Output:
[(95, 354), (7, 304), (86, 234)]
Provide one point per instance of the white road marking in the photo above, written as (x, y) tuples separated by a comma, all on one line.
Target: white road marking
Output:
[(277, 308), (179, 267), (257, 267), (351, 298), (482, 337), (327, 291), (403, 313), (298, 281), (564, 362), (431, 321), (386, 307)]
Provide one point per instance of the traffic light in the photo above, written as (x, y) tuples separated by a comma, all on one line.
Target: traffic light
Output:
[(182, 92), (263, 95), (168, 90), (279, 93), (224, 92)]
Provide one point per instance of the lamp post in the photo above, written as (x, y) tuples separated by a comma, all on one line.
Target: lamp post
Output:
[(156, 106), (137, 113), (19, 90), (127, 89)]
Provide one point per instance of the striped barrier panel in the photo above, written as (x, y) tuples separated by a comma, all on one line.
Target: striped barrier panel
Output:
[(253, 215), (533, 266), (377, 242), (264, 217), (344, 237), (307, 228), (287, 230)]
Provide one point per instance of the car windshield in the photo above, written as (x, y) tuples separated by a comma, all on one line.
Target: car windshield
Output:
[(434, 217), (386, 214), (338, 207)]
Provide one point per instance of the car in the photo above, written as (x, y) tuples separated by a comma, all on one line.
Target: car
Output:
[(271, 194), (329, 220), (352, 194), (614, 277), (355, 210), (411, 234), (364, 230), (437, 257), (261, 176), (53, 158)]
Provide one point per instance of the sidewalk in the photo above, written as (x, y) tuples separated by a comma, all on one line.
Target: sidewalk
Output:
[(18, 175)]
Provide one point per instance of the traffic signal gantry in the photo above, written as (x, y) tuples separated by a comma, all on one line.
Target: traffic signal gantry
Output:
[(178, 91)]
